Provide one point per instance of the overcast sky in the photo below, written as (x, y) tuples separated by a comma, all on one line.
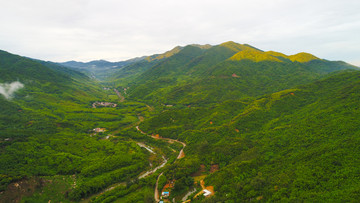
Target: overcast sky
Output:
[(84, 30)]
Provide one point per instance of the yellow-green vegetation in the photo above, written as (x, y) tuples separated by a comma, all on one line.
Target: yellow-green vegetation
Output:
[(303, 57), (258, 56), (235, 46), (274, 53), (164, 55), (254, 55)]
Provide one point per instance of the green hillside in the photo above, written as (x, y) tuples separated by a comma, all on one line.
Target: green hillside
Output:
[(293, 145), (198, 76), (253, 126), (47, 131)]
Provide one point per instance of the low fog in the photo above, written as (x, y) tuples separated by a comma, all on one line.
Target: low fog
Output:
[(8, 89)]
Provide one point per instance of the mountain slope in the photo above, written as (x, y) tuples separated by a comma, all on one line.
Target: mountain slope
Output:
[(195, 75), (13, 67), (46, 123), (311, 133), (292, 145), (46, 89)]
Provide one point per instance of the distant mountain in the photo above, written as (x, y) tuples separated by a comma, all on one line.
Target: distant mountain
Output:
[(96, 64), (99, 69), (193, 75)]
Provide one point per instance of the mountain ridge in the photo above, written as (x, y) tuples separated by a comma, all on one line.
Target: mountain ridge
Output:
[(258, 125), (226, 64)]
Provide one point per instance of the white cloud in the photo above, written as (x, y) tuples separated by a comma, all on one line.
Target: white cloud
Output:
[(8, 89), (118, 29)]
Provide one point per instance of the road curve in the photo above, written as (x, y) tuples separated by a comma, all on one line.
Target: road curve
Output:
[(156, 193), (181, 153)]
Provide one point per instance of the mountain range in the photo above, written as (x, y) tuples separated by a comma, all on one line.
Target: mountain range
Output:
[(255, 126)]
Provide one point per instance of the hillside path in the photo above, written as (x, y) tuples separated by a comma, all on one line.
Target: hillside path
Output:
[(122, 98), (156, 193), (181, 153)]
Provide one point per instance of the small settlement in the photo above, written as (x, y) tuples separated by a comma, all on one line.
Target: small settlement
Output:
[(105, 104), (96, 131), (99, 130)]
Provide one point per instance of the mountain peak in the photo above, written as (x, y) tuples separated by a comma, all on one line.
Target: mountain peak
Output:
[(167, 54), (238, 47), (205, 46), (303, 57), (234, 46)]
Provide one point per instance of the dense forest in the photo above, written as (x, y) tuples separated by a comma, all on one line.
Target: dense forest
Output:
[(253, 126)]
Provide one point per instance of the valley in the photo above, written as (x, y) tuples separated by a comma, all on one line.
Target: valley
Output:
[(200, 123)]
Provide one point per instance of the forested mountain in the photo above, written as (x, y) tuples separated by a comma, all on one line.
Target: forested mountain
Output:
[(196, 75), (47, 122), (44, 87), (246, 124), (292, 145)]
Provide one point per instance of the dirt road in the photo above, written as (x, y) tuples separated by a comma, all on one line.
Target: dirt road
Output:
[(149, 172), (181, 153), (122, 98), (156, 193)]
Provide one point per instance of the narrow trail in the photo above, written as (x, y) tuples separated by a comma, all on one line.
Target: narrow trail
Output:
[(122, 98), (147, 173), (146, 147), (188, 194), (156, 193), (181, 153)]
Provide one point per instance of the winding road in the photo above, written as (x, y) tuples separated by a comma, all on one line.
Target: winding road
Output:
[(149, 172), (181, 155)]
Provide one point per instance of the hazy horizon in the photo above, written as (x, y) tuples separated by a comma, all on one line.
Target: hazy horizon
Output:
[(86, 30)]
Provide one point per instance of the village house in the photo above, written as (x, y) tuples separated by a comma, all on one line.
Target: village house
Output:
[(99, 130), (206, 192), (165, 194)]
